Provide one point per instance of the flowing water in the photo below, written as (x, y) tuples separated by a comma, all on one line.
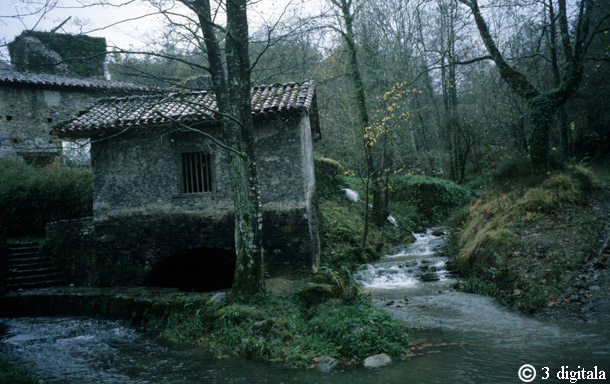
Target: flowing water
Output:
[(462, 338)]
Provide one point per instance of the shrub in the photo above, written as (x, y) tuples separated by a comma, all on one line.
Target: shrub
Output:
[(434, 199), (31, 197), (359, 330), (328, 174)]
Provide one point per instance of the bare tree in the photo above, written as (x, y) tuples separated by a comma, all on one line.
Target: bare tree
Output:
[(574, 43), (231, 86)]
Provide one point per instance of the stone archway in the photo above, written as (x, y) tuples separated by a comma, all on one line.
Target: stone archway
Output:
[(198, 269)]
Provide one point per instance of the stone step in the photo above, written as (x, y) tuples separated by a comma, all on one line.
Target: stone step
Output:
[(30, 264), (32, 271), (36, 284), (23, 255), (32, 278), (29, 268), (23, 247)]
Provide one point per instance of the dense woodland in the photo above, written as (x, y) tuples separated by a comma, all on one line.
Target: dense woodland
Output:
[(416, 87)]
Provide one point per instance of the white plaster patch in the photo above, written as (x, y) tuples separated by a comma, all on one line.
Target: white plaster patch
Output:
[(52, 98)]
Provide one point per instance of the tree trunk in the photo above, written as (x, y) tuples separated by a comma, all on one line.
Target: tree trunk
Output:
[(232, 91), (242, 170), (356, 76), (541, 112)]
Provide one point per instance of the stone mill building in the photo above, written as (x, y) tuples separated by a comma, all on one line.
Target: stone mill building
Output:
[(163, 213), (51, 77)]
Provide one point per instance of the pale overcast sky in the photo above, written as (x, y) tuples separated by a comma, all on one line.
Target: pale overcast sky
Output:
[(125, 26)]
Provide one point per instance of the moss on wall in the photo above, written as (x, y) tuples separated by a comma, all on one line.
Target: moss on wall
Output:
[(84, 55)]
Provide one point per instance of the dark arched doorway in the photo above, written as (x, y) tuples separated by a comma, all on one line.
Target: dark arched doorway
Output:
[(199, 269)]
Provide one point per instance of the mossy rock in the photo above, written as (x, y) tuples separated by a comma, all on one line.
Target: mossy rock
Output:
[(314, 293), (328, 174), (239, 313)]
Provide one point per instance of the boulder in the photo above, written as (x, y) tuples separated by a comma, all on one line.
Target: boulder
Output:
[(326, 364), (377, 361)]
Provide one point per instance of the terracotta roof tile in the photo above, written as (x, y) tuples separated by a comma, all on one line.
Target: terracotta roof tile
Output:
[(191, 107)]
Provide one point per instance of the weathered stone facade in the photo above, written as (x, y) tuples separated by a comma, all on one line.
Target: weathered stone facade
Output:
[(28, 114), (31, 103), (142, 214), (70, 245)]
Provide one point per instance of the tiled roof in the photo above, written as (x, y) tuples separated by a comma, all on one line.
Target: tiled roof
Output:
[(114, 114), (9, 77)]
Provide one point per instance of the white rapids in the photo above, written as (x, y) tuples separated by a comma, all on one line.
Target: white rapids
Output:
[(408, 267)]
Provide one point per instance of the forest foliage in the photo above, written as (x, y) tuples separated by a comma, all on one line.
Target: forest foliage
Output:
[(436, 104), (31, 197)]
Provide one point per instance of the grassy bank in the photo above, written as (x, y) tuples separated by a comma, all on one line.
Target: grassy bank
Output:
[(325, 316), (11, 374), (415, 202), (524, 241)]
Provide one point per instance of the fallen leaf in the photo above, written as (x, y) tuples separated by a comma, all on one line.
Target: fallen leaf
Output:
[(517, 292)]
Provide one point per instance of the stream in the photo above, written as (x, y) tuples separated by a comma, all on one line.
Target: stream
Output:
[(460, 338)]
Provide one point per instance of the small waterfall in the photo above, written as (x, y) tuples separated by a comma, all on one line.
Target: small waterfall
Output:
[(351, 194), (413, 265)]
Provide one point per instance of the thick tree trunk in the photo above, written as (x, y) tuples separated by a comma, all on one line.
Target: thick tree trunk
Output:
[(541, 112), (543, 105), (564, 131), (232, 91), (242, 170)]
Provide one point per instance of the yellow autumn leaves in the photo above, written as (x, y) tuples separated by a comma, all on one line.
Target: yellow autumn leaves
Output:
[(389, 113)]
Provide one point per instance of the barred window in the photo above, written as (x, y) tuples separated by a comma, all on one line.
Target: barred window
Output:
[(196, 172)]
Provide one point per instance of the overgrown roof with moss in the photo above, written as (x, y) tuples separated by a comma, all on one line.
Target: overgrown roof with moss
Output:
[(84, 54)]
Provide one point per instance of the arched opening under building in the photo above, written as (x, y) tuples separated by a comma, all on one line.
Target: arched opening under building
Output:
[(199, 269)]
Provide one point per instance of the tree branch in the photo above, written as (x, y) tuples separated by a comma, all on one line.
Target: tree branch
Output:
[(191, 129)]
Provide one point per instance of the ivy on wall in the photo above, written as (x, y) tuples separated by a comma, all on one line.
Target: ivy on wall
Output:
[(84, 55)]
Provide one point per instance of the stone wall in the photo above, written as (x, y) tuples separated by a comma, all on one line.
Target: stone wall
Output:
[(27, 116), (141, 171), (128, 247), (70, 245), (141, 216)]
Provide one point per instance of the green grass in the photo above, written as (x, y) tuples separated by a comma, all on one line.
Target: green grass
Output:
[(292, 330), (524, 244), (11, 374)]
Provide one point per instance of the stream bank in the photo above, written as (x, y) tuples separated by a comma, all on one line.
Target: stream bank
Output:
[(539, 245), (459, 338)]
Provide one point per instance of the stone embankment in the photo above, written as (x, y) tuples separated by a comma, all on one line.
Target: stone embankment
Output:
[(128, 303)]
